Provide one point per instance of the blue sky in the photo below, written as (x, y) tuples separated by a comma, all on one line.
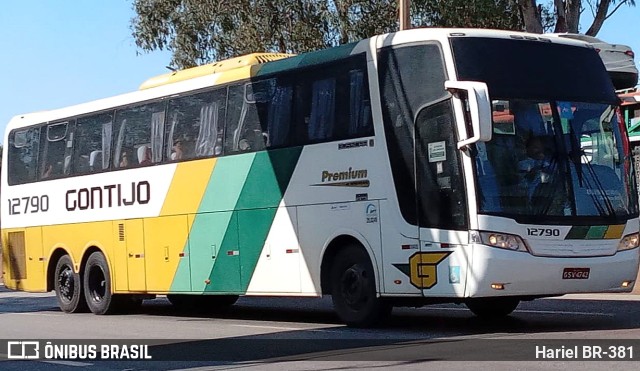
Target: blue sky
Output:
[(59, 53)]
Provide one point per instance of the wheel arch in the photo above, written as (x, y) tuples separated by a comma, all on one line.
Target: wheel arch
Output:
[(331, 250), (55, 255)]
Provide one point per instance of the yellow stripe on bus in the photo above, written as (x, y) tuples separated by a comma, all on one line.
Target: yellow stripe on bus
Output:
[(187, 187), (614, 231)]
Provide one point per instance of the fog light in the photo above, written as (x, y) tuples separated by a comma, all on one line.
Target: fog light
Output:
[(627, 283), (497, 286)]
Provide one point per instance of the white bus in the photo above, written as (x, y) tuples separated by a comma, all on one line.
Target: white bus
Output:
[(424, 166)]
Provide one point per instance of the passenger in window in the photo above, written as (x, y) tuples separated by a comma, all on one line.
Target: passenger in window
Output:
[(124, 161), (178, 153), (217, 150), (144, 155)]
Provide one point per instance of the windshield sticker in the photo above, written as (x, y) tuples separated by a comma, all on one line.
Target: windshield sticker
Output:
[(565, 110), (437, 151)]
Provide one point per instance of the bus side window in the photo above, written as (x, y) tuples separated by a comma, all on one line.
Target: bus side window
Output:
[(138, 126), (323, 110), (243, 130), (360, 120), (195, 125), (56, 151), (276, 116), (92, 139), (22, 155)]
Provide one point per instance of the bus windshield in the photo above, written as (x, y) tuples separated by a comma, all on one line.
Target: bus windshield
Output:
[(558, 149), (554, 159)]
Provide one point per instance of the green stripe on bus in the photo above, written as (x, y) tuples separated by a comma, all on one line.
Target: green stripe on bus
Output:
[(587, 232), (265, 187), (209, 239), (256, 208), (307, 59), (597, 232)]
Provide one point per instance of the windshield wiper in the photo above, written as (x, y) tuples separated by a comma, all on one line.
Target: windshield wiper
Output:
[(599, 187)]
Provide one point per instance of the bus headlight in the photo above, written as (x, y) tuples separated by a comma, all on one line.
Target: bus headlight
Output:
[(629, 242), (503, 241)]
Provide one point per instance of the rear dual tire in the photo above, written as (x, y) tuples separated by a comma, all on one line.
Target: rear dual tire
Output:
[(91, 290), (68, 287), (97, 285)]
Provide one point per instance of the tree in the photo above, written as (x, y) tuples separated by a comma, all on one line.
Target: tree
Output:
[(497, 14), (564, 16), (202, 31)]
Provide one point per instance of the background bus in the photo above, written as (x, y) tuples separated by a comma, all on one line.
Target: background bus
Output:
[(630, 110), (372, 172)]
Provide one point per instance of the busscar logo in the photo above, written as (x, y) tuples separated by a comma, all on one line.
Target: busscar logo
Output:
[(23, 350), (371, 214)]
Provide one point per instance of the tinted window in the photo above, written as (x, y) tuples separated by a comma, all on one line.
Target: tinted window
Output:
[(196, 125), (533, 69), (244, 130), (23, 155), (56, 150), (92, 143), (360, 122), (441, 192), (140, 131), (411, 77)]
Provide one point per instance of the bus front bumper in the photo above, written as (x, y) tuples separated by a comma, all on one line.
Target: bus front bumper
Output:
[(498, 272)]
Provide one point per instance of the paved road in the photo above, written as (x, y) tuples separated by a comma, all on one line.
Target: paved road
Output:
[(283, 334)]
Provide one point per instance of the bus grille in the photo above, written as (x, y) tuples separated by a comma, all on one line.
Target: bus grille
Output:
[(120, 232), (17, 257)]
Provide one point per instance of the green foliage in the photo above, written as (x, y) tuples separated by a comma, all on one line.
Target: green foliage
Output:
[(496, 14), (202, 31)]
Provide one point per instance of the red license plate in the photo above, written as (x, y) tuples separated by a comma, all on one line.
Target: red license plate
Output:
[(576, 273)]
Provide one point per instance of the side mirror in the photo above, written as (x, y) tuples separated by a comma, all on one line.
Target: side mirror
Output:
[(479, 110)]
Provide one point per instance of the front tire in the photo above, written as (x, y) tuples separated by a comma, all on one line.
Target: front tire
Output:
[(97, 285), (68, 287), (353, 289), (492, 308)]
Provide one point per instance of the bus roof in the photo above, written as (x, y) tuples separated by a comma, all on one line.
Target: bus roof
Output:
[(211, 68)]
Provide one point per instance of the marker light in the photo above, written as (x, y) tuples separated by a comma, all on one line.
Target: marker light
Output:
[(629, 242), (627, 284), (503, 241)]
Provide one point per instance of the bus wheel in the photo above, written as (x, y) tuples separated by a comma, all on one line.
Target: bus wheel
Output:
[(97, 285), (353, 289), (68, 287), (491, 308)]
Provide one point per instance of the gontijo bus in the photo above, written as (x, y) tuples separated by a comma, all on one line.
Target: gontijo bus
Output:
[(429, 165)]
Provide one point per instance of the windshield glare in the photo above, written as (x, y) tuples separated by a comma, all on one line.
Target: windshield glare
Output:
[(555, 159)]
